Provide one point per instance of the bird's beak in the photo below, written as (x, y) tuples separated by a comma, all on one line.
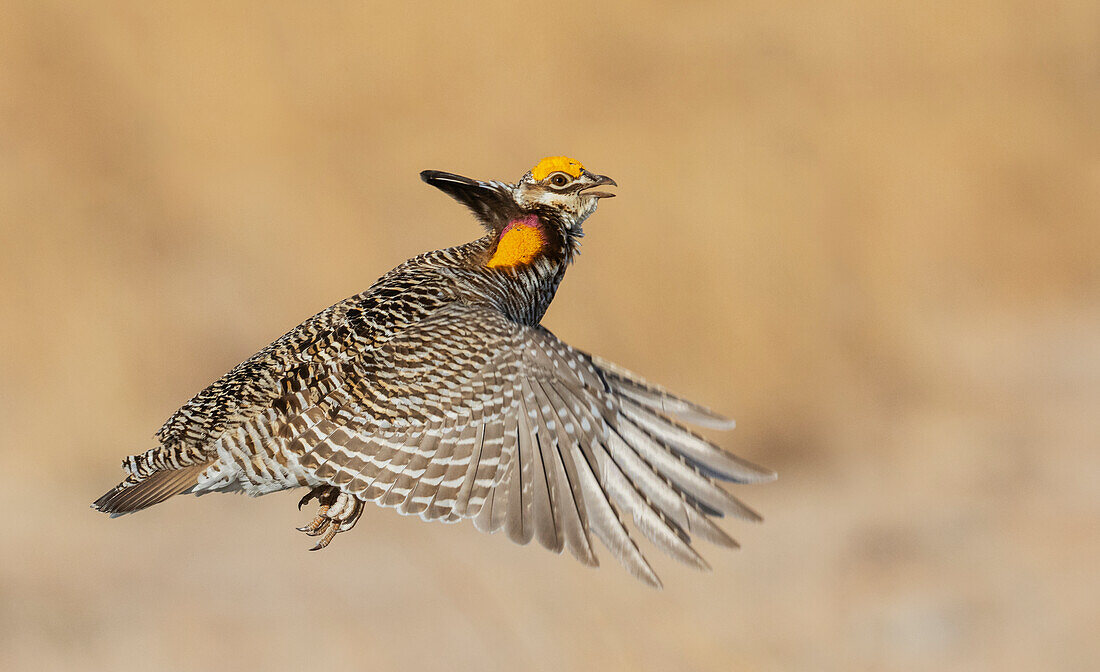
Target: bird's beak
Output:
[(598, 181)]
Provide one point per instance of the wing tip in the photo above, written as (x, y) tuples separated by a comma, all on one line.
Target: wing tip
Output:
[(762, 475), (648, 576), (722, 423), (739, 470)]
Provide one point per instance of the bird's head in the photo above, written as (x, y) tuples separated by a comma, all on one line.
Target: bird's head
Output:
[(562, 185), (558, 189)]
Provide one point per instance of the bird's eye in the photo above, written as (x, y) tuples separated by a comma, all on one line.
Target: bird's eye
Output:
[(559, 180)]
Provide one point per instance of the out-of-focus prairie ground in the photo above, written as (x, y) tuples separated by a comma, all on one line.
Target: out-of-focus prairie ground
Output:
[(870, 231)]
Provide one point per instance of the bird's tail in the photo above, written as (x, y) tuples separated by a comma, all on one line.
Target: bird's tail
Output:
[(154, 476)]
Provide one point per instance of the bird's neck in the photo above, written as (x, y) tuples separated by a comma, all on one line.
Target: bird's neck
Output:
[(524, 293), (519, 269)]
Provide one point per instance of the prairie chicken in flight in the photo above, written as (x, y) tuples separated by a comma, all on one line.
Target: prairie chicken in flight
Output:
[(436, 392)]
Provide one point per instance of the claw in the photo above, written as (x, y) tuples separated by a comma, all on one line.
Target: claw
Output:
[(321, 529), (339, 511), (317, 522), (327, 539), (309, 496), (319, 493)]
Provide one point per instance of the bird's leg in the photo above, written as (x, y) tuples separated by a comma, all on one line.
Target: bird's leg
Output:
[(341, 517), (350, 516), (339, 511)]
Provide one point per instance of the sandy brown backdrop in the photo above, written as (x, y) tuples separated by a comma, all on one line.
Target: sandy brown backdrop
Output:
[(867, 230)]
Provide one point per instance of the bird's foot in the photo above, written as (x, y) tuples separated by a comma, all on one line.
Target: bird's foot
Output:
[(338, 513)]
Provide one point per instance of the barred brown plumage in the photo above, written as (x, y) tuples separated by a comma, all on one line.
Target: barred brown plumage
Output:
[(436, 392)]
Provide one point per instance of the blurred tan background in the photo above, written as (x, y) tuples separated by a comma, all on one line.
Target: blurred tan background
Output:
[(869, 231)]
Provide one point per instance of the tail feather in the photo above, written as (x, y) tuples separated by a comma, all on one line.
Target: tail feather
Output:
[(154, 489)]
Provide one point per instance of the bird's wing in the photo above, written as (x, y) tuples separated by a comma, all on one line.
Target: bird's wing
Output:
[(468, 414)]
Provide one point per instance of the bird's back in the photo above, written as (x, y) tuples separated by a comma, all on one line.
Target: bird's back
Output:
[(259, 396)]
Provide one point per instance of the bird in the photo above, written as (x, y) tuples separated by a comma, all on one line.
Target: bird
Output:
[(438, 393)]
